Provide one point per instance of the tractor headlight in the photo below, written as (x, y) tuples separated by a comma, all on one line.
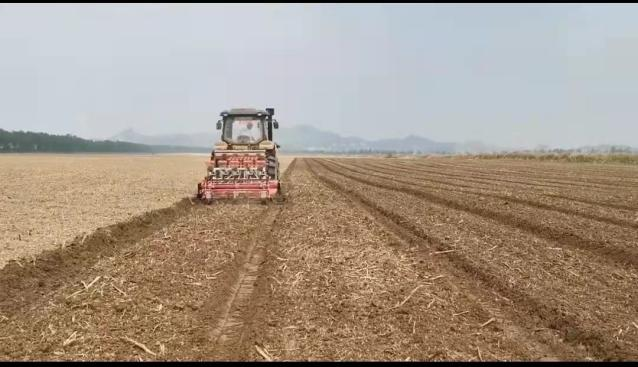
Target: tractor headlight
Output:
[(221, 146), (266, 145)]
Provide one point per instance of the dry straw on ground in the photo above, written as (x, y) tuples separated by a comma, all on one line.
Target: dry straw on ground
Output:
[(48, 199)]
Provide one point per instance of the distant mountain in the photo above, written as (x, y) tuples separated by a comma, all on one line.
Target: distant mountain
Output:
[(307, 138), (304, 138), (413, 143)]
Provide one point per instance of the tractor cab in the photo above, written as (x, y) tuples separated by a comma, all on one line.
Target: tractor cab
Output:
[(247, 128), (244, 130)]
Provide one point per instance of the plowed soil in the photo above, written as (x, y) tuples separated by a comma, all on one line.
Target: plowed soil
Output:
[(48, 199), (366, 259)]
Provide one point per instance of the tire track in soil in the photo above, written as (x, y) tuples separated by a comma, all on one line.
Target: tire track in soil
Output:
[(245, 341), (463, 268), (231, 317), (623, 256), (26, 282), (226, 335), (158, 282), (501, 341), (472, 190)]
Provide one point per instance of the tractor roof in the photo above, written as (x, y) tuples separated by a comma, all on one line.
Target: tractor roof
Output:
[(244, 111)]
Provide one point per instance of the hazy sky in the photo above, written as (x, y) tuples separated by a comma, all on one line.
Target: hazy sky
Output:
[(513, 75)]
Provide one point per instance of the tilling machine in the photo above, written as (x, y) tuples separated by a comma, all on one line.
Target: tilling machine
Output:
[(245, 162)]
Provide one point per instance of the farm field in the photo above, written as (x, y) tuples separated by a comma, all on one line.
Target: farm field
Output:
[(48, 199), (367, 259)]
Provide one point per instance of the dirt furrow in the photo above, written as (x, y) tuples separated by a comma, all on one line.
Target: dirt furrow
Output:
[(550, 314), (473, 175), (227, 317), (602, 174), (519, 326), (26, 279), (592, 202), (501, 183), (367, 259), (621, 255), (626, 219), (476, 194), (563, 179), (614, 199), (231, 317), (349, 289), (151, 292), (158, 290)]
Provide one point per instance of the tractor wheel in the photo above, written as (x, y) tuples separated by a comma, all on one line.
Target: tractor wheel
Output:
[(279, 197)]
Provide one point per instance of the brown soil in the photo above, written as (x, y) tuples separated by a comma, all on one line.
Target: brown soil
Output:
[(367, 259), (54, 198)]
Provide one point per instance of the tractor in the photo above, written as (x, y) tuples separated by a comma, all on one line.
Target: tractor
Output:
[(244, 163)]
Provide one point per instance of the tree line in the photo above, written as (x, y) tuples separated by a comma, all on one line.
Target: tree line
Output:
[(33, 142)]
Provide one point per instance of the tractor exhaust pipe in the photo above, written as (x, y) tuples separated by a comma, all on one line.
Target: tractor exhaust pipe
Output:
[(271, 112)]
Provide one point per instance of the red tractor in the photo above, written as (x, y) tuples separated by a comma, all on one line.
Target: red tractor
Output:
[(245, 162)]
